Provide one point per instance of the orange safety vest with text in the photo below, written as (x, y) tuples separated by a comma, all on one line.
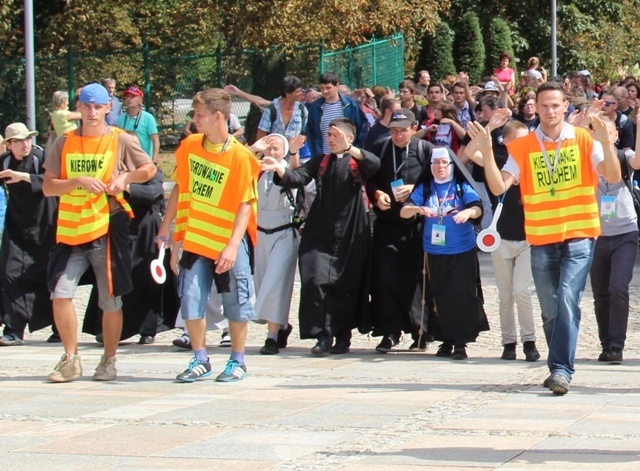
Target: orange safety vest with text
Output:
[(562, 205), (84, 216), (212, 186)]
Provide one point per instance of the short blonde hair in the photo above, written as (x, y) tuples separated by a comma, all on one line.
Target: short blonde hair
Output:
[(59, 98), (214, 99)]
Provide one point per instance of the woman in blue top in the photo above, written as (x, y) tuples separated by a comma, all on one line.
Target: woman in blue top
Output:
[(449, 204)]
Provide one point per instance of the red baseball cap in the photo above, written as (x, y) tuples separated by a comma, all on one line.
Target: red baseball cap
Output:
[(135, 91)]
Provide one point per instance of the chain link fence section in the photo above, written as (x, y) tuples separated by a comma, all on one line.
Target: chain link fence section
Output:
[(170, 82)]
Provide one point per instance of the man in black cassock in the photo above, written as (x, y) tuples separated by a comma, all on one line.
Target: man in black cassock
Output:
[(28, 237), (149, 308), (335, 246), (396, 289)]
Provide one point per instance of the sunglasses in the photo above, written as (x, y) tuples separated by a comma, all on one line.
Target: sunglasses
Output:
[(609, 103)]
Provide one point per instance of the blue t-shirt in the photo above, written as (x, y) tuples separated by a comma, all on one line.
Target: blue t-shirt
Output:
[(144, 125), (447, 199)]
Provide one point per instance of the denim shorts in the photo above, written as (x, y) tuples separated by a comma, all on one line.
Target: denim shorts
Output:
[(78, 262), (194, 287)]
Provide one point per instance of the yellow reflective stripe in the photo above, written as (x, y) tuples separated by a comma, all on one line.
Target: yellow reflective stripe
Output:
[(207, 243), (561, 212), (560, 195), (563, 227), (214, 211), (209, 228), (84, 228), (77, 214)]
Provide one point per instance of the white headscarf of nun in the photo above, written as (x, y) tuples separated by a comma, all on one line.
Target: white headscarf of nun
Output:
[(283, 150), (440, 153)]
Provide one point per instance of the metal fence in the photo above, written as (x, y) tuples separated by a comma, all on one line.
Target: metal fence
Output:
[(171, 81)]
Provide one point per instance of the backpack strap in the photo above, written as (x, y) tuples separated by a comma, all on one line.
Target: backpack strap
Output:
[(273, 114), (624, 169)]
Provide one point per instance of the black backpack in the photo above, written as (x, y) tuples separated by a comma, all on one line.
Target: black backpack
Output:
[(252, 122)]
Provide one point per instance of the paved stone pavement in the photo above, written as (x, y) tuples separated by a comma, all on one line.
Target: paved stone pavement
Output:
[(363, 411)]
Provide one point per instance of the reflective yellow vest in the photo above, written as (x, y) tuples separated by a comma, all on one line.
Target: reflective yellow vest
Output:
[(561, 206), (212, 188), (83, 216)]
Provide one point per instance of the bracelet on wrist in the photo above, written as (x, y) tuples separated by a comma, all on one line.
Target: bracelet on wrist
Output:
[(293, 153), (348, 149)]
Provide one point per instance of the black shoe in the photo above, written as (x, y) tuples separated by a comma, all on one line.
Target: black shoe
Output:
[(341, 347), (531, 353), (604, 356), (444, 350), (559, 384), (100, 338), (146, 340), (386, 344), (419, 345), (322, 348), (509, 351), (283, 336), (615, 355), (54, 338), (270, 347), (459, 353), (183, 342)]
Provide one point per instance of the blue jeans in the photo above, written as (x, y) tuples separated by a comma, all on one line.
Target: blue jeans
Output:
[(194, 287), (560, 273)]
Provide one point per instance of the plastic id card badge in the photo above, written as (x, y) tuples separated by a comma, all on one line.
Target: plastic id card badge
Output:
[(608, 207), (438, 233), (395, 187)]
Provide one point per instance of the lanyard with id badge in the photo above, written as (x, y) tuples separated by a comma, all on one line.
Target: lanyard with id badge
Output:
[(398, 182), (608, 204), (439, 231)]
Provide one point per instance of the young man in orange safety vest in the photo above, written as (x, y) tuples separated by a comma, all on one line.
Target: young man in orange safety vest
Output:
[(214, 203), (89, 169)]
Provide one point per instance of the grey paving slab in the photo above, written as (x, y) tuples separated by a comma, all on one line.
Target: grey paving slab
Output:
[(362, 411)]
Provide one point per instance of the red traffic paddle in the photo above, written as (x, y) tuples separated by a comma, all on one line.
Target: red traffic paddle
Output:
[(489, 240), (158, 271)]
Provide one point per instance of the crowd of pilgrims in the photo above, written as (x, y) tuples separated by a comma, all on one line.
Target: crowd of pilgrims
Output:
[(385, 244)]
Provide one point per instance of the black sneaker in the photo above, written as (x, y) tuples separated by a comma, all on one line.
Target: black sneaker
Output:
[(270, 347), (196, 370), (283, 336), (604, 356), (459, 353), (419, 344), (386, 344), (146, 340), (54, 338), (444, 350), (559, 384), (322, 348), (341, 347), (531, 353), (615, 355), (509, 351)]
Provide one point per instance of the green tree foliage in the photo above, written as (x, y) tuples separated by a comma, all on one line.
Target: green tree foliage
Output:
[(436, 53), (498, 40), (468, 47)]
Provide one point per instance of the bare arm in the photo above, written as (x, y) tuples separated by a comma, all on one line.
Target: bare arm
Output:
[(255, 99), (609, 168), (497, 181), (155, 139)]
